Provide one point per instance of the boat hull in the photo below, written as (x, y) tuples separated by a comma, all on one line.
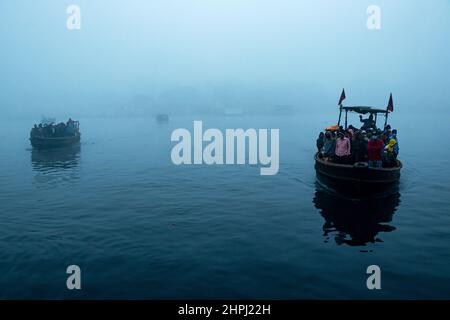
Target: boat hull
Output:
[(357, 181), (48, 143)]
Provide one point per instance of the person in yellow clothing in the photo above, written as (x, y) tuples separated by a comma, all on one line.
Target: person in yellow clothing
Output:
[(389, 152)]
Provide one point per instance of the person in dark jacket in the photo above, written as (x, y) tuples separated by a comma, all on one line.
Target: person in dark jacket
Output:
[(368, 123), (359, 147), (329, 146), (320, 141)]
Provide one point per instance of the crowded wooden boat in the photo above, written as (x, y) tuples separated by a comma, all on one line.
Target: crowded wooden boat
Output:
[(50, 135), (359, 161)]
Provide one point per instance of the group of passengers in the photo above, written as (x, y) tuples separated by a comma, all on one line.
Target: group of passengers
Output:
[(369, 144), (50, 130)]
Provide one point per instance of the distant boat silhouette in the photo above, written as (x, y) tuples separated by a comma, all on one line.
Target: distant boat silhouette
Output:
[(42, 140), (162, 117)]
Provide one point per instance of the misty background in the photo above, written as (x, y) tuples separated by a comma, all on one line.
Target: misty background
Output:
[(137, 58)]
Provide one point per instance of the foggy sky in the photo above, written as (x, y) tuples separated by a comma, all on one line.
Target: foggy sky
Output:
[(183, 55)]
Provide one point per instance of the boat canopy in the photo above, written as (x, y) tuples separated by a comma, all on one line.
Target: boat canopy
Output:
[(364, 110)]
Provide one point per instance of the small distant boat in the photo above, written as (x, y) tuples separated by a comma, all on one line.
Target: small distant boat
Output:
[(162, 117), (42, 141)]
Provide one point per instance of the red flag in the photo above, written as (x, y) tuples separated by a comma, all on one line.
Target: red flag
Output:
[(390, 107), (342, 98)]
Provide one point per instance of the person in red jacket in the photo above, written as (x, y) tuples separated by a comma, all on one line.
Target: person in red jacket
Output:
[(375, 149)]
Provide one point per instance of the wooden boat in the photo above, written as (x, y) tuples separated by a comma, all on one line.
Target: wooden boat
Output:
[(41, 141), (162, 117), (359, 179)]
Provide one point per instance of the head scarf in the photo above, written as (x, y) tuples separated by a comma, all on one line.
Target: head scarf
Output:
[(391, 144)]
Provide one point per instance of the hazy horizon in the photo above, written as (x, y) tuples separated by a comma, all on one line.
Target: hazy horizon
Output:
[(197, 56)]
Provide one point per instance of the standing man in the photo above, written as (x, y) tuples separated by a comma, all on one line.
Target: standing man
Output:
[(375, 150)]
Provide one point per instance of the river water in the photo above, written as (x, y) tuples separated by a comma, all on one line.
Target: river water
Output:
[(140, 227)]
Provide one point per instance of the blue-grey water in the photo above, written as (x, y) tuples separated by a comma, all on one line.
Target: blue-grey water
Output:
[(140, 227)]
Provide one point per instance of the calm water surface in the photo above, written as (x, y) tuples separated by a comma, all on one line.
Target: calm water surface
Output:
[(141, 227)]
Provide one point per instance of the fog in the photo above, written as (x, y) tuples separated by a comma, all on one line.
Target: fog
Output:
[(139, 57)]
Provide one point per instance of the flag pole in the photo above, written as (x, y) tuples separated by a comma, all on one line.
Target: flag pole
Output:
[(342, 98), (389, 108), (386, 118)]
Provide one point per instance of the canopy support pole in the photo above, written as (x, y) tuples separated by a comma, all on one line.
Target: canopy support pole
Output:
[(346, 112), (340, 114), (385, 120)]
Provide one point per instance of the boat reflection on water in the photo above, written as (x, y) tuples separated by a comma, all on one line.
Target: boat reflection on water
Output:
[(55, 168), (45, 160), (355, 222)]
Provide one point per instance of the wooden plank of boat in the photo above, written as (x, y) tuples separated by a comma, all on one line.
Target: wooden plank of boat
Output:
[(50, 142), (355, 173), (357, 182)]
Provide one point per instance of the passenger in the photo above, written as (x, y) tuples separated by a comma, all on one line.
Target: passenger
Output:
[(359, 147), (348, 135), (48, 130), (320, 141), (34, 131), (343, 148), (368, 123), (351, 130), (383, 137), (387, 132), (328, 146), (375, 149), (40, 130), (60, 129), (71, 127), (396, 147), (389, 153)]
